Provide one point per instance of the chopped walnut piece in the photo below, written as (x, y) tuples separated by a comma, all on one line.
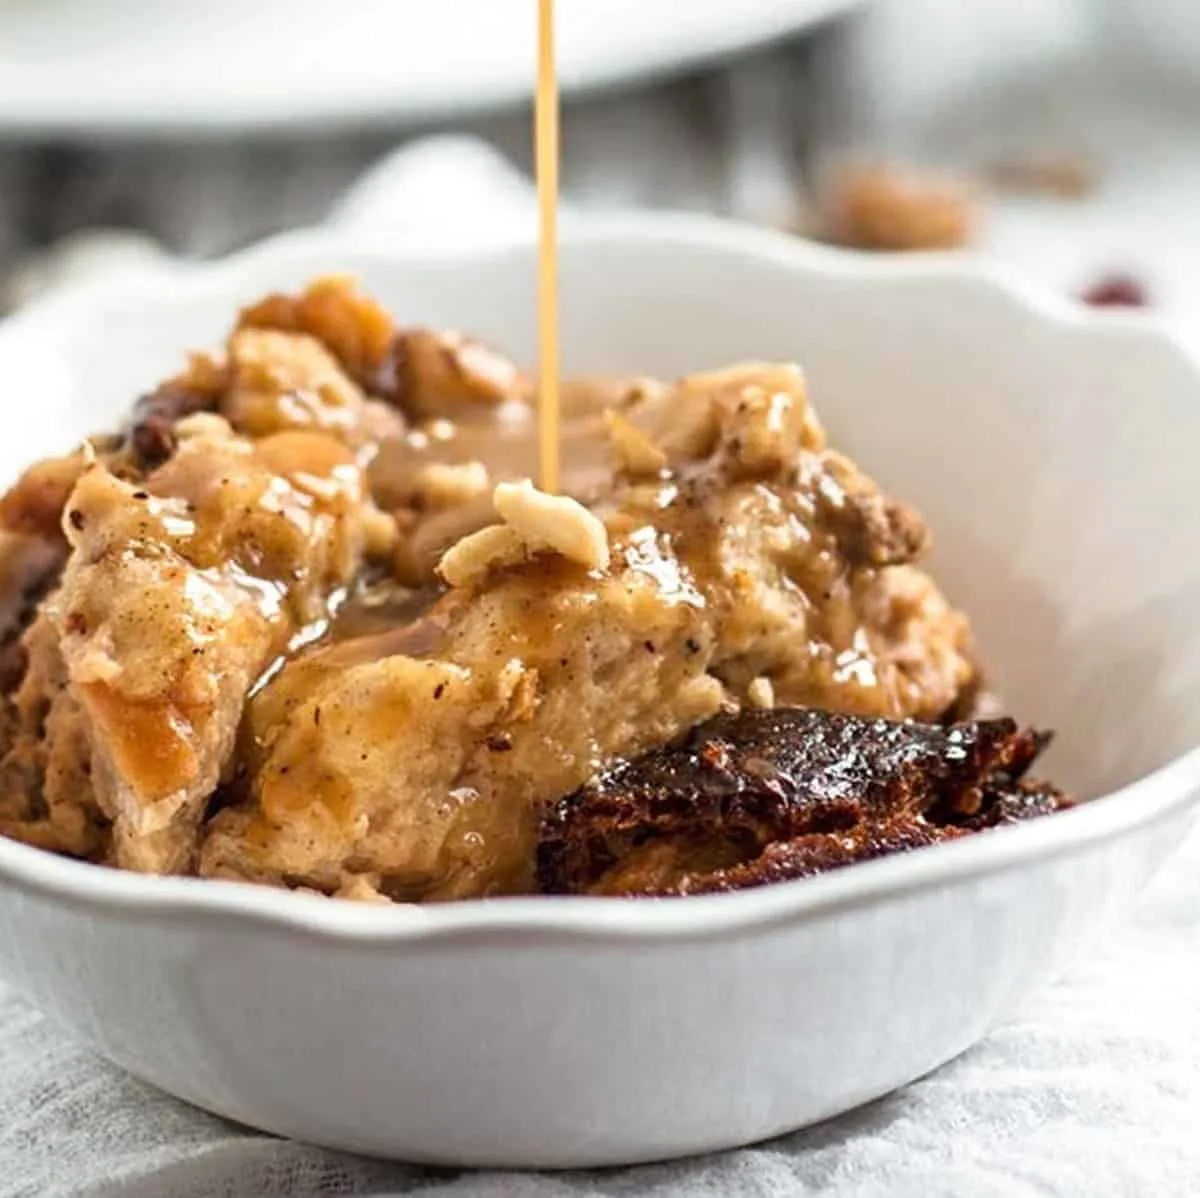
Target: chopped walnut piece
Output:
[(470, 560), (682, 422), (361, 888), (444, 484), (441, 373), (288, 381), (203, 424), (553, 522), (425, 539), (637, 455), (380, 533), (761, 694), (353, 327), (757, 412), (764, 425), (534, 522)]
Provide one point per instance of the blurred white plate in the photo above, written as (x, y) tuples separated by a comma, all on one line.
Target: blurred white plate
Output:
[(145, 66)]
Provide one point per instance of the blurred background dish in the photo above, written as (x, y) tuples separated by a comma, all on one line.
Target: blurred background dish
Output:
[(124, 66), (1055, 135)]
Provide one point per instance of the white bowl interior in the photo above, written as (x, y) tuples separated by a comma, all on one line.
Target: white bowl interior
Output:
[(1050, 451)]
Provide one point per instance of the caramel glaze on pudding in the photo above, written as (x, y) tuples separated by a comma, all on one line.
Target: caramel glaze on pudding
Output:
[(304, 623)]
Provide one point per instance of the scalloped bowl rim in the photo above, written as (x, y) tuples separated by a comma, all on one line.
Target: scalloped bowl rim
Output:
[(1146, 800)]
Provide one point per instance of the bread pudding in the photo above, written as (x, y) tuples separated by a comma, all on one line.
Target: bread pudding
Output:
[(304, 621)]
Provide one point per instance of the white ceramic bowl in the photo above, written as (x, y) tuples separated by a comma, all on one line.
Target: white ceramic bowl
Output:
[(1052, 450)]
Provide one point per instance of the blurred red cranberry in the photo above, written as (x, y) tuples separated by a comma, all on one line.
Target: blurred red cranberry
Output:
[(1116, 291)]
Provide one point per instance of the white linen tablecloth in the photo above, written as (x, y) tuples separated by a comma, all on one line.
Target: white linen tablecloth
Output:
[(1093, 1091)]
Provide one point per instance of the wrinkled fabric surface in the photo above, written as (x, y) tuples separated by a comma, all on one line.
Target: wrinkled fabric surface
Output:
[(1093, 1090)]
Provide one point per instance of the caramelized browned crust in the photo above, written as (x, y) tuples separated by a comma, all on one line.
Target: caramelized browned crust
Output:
[(771, 795)]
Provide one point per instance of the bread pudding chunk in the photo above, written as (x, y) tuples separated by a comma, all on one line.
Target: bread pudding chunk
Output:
[(195, 556), (416, 763), (178, 594), (305, 621)]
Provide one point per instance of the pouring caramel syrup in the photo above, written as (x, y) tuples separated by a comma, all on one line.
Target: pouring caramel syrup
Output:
[(546, 146)]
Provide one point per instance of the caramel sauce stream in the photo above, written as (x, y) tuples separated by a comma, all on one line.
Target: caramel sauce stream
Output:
[(546, 139)]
